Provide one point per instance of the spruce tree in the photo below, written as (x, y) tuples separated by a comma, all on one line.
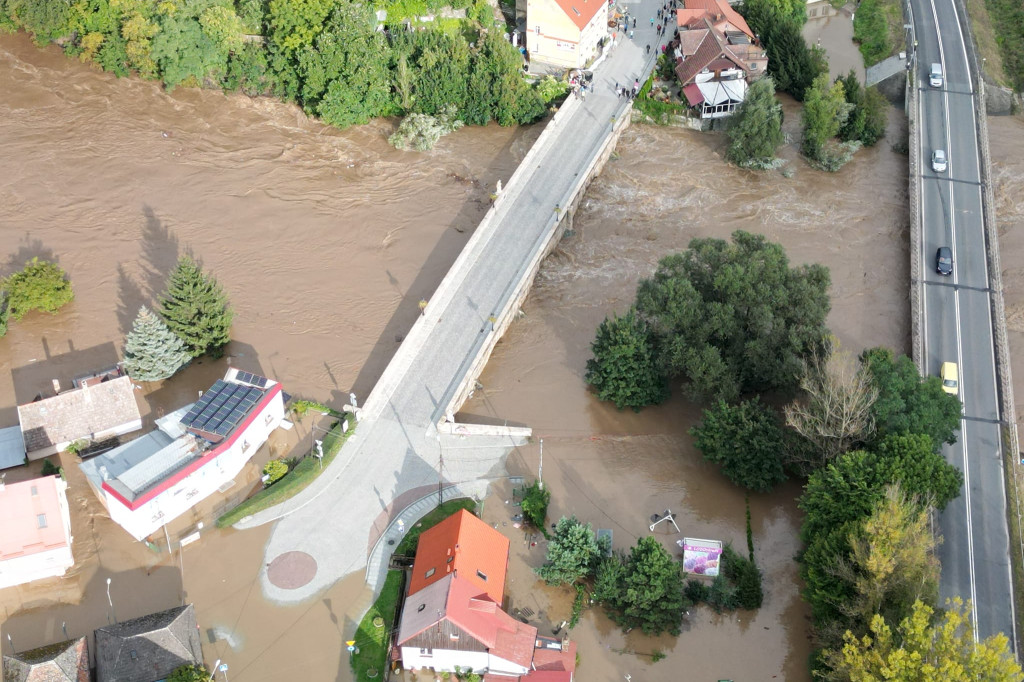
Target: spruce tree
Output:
[(152, 351), (756, 130), (196, 309)]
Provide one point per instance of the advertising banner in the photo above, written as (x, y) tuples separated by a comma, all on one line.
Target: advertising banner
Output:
[(701, 557)]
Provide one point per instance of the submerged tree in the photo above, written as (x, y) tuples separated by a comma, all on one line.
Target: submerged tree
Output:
[(40, 285), (196, 309), (623, 369), (755, 131), (746, 440), (643, 590), (573, 553), (152, 352)]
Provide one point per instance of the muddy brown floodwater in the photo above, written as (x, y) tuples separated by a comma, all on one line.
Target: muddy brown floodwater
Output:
[(326, 240)]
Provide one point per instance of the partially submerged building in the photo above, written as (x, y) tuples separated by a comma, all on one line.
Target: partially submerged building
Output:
[(35, 535), (61, 662), (99, 407), (149, 648), (194, 452)]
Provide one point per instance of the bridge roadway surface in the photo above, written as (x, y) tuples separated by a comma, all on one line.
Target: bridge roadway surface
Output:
[(958, 323), (396, 450)]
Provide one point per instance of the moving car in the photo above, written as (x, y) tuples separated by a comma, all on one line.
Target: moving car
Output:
[(935, 76), (939, 161), (950, 375), (944, 260)]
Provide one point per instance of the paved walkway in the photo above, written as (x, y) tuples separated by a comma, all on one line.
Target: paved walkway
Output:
[(396, 447)]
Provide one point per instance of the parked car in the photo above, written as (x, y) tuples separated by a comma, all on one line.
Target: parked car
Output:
[(950, 375), (944, 260), (939, 162)]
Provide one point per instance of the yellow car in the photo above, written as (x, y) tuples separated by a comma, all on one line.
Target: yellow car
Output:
[(950, 378)]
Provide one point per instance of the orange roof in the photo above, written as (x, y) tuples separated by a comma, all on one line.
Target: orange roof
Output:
[(717, 10), (581, 11), (33, 518), (463, 545)]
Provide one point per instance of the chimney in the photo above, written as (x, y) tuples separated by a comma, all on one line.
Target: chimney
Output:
[(56, 386)]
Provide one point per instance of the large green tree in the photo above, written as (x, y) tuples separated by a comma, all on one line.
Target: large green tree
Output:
[(729, 318), (40, 285), (924, 648), (907, 403), (184, 52), (623, 369), (746, 440), (866, 122), (152, 352), (573, 553), (755, 131), (643, 590), (496, 87), (825, 111), (791, 63), (195, 308)]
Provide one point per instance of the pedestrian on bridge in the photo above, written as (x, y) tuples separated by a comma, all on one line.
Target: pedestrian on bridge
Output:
[(652, 21), (648, 48), (630, 34), (634, 22)]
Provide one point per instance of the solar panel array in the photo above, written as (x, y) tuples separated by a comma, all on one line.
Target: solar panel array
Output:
[(222, 407), (250, 378)]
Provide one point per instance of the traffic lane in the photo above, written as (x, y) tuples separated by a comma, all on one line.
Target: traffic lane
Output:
[(953, 48), (954, 552), (963, 139), (926, 35), (972, 265), (977, 376), (940, 326), (988, 529)]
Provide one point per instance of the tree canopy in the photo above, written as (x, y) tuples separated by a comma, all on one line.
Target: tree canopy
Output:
[(195, 308), (40, 285), (746, 440), (643, 590), (623, 369), (906, 403), (573, 553), (733, 317), (755, 130), (152, 352)]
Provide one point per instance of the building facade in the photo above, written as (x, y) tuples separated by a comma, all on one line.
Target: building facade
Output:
[(195, 452), (35, 534), (564, 34)]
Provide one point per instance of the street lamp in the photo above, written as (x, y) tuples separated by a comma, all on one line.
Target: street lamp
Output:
[(111, 602)]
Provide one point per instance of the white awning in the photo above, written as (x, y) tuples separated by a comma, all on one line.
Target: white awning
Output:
[(722, 92)]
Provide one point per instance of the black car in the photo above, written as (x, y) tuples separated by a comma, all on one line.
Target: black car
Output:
[(944, 260)]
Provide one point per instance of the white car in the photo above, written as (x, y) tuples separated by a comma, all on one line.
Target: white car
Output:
[(939, 162)]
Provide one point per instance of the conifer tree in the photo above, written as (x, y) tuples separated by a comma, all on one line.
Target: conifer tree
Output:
[(756, 129), (196, 309), (152, 351)]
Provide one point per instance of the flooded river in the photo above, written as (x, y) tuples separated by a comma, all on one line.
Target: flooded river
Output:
[(326, 240)]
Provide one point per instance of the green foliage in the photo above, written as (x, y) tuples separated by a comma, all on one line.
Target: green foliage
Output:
[(573, 553), (791, 63), (746, 440), (624, 369), (196, 309), (5, 313), (1008, 22), (152, 352), (77, 446), (878, 29), (755, 130), (643, 590), (189, 673), (825, 111), (440, 63), (46, 20), (579, 602), (373, 641), (422, 131), (51, 469), (907, 404), (40, 285), (249, 71), (276, 470), (734, 317), (550, 89), (868, 117), (496, 87), (535, 505), (407, 547), (301, 407), (659, 112), (737, 585), (183, 52)]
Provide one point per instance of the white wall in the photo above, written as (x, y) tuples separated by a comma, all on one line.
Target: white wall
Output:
[(36, 566), (444, 659), (200, 484), (500, 665)]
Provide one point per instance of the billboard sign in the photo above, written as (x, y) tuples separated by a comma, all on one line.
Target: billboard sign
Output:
[(701, 557)]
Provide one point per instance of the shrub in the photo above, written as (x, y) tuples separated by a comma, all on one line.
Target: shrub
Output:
[(421, 131), (189, 673), (49, 468), (275, 469), (550, 89), (41, 285), (623, 369), (535, 505)]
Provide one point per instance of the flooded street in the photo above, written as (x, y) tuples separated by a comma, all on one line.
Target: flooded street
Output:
[(325, 241)]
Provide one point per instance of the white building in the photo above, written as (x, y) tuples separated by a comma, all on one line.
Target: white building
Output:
[(35, 531), (195, 452)]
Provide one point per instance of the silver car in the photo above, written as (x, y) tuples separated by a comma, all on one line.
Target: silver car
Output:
[(939, 162)]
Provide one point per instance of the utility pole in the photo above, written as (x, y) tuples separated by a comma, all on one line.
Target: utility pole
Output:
[(540, 469), (110, 602)]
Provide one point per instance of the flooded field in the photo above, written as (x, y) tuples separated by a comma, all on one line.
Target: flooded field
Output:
[(325, 241)]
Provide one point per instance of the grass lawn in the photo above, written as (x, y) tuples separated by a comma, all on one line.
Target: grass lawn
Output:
[(1014, 506), (878, 29), (371, 640), (293, 482), (407, 546), (985, 37)]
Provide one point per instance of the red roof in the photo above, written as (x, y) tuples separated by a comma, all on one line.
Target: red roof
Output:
[(581, 11), (464, 546), (693, 94), (712, 48), (716, 10), (555, 659), (546, 676)]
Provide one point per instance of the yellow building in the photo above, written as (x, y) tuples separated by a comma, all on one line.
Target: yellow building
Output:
[(564, 34)]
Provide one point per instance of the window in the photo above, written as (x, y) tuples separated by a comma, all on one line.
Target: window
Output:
[(430, 572), (420, 608), (41, 518), (454, 636), (269, 419), (451, 559), (537, 29), (480, 574), (35, 491), (426, 652)]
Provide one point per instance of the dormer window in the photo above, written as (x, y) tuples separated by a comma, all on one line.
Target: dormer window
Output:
[(429, 573), (480, 574)]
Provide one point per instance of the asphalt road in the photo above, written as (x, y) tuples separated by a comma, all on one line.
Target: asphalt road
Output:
[(958, 324), (396, 450)]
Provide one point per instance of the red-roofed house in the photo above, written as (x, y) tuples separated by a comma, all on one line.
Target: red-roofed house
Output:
[(35, 541), (452, 616), (723, 17), (564, 34), (464, 546)]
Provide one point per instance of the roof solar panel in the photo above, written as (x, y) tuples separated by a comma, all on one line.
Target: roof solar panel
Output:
[(224, 406), (250, 378)]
